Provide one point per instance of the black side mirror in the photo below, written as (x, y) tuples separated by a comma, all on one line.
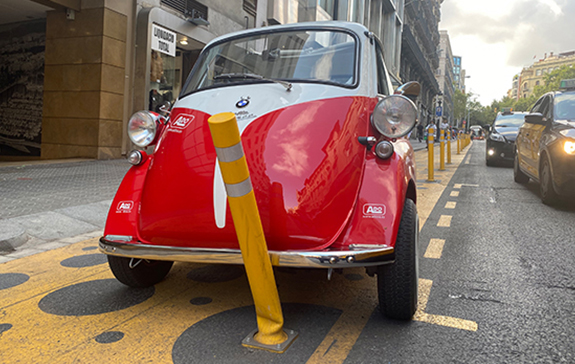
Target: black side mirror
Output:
[(535, 118), (487, 128)]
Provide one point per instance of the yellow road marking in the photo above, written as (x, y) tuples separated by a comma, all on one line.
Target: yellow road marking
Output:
[(450, 204), (457, 186), (444, 221), (339, 341), (434, 249), (427, 198), (421, 315), (454, 194)]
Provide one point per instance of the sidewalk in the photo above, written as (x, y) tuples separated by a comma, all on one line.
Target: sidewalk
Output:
[(48, 204)]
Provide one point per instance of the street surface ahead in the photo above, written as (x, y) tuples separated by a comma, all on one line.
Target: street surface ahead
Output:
[(497, 285)]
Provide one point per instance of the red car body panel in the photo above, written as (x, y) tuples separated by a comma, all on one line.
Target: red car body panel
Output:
[(306, 166)]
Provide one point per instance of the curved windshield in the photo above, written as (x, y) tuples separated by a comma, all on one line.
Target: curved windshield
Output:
[(299, 55), (565, 106), (512, 120)]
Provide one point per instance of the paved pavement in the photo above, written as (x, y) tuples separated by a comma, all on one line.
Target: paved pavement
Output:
[(48, 204)]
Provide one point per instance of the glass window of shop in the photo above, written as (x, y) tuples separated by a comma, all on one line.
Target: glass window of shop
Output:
[(169, 68)]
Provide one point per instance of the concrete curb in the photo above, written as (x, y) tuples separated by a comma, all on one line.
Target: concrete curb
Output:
[(11, 236)]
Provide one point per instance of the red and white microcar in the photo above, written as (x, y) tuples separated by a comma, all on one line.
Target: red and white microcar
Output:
[(324, 138)]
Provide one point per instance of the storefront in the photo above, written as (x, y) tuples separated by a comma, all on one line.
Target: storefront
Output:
[(167, 48)]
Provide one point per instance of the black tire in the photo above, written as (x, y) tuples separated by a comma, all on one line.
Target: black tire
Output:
[(146, 273), (546, 189), (397, 282), (518, 175)]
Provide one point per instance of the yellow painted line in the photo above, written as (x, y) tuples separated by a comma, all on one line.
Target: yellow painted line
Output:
[(344, 333), (450, 204), (427, 198), (444, 221), (422, 316), (454, 194), (434, 249), (457, 186)]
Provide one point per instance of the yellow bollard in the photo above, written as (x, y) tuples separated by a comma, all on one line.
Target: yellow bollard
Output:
[(458, 142), (448, 146), (270, 334), (442, 150), (430, 141)]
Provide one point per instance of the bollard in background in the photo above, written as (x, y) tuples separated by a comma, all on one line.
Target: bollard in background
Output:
[(449, 147), (430, 141), (270, 334), (458, 142), (442, 150)]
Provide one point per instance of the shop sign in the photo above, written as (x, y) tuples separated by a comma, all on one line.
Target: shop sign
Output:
[(163, 40)]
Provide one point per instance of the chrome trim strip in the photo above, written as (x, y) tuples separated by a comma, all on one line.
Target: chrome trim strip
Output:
[(230, 154), (298, 259), (239, 189)]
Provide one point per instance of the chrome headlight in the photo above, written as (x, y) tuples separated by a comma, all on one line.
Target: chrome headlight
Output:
[(142, 128), (384, 149), (394, 116), (497, 137)]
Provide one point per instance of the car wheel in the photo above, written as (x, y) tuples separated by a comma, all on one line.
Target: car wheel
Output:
[(397, 282), (518, 175), (548, 194), (139, 273)]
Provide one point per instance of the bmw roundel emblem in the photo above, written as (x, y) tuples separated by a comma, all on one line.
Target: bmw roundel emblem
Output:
[(244, 101)]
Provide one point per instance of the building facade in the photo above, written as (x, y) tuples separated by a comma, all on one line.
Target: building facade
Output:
[(534, 75), (445, 76), (74, 71), (420, 52)]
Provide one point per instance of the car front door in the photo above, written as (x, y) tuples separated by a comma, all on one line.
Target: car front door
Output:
[(532, 135)]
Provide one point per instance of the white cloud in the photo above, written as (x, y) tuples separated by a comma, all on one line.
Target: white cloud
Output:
[(497, 38)]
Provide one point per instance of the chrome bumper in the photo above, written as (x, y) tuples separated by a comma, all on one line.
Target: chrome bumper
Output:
[(360, 257)]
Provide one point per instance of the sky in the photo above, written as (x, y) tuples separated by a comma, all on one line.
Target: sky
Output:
[(497, 38)]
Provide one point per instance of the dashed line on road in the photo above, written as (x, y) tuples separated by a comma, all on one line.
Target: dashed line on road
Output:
[(450, 204), (444, 221), (454, 194), (434, 249)]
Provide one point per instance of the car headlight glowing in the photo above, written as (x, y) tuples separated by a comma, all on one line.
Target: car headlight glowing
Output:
[(394, 116), (497, 137), (569, 147), (142, 128)]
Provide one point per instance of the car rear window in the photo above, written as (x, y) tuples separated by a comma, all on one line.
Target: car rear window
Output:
[(327, 56)]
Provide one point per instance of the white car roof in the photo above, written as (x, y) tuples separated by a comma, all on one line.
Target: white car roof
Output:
[(354, 27)]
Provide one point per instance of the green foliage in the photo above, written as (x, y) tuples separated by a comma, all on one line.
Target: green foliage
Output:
[(480, 115)]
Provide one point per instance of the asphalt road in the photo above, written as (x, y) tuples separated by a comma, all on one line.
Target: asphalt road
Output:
[(497, 285), (507, 264)]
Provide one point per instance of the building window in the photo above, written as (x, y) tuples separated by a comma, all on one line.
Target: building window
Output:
[(538, 73), (190, 8), (536, 83), (250, 7)]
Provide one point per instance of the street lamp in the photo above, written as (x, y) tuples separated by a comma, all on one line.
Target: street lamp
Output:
[(467, 108)]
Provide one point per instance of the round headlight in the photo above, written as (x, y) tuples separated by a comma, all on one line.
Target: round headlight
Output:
[(384, 149), (394, 116), (142, 128)]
